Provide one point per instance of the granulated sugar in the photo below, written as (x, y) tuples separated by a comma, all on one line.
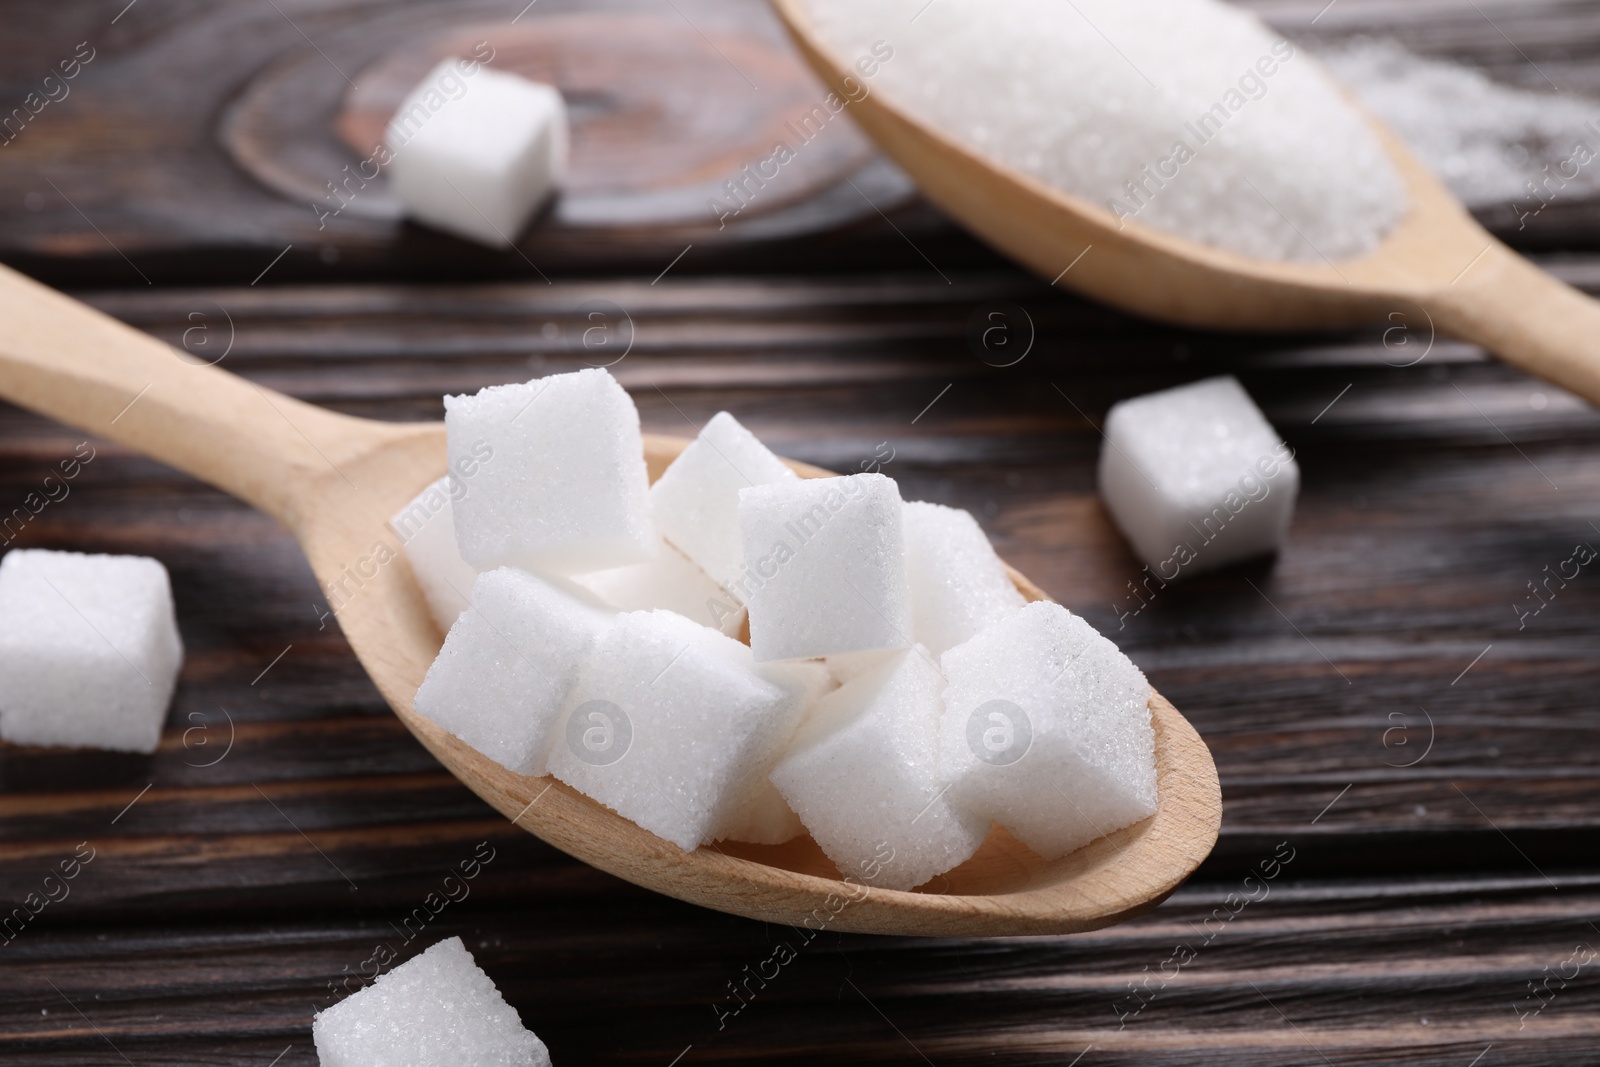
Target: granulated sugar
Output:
[(1186, 115), (1486, 140)]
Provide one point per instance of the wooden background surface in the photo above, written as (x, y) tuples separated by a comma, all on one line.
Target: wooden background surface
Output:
[(1374, 707)]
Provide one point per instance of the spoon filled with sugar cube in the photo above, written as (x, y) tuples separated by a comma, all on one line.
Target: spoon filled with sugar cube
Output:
[(727, 677), (1180, 160)]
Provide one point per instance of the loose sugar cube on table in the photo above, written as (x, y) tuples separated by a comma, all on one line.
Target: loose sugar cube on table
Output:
[(89, 650), (1046, 730), (437, 1009), (427, 528), (863, 774), (958, 584), (671, 726), (668, 581), (1196, 478), (825, 567), (473, 151), (695, 502), (509, 662), (558, 480)]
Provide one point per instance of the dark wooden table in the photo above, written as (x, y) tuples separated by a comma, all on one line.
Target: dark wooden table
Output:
[(1412, 752)]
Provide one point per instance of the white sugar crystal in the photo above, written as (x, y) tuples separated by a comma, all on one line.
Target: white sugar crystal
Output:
[(437, 1009), (89, 650), (695, 502), (1046, 730), (427, 529), (509, 662), (1196, 478), (825, 567), (1486, 140), (670, 726), (863, 774), (1164, 112), (668, 581), (958, 584), (559, 481), (474, 151)]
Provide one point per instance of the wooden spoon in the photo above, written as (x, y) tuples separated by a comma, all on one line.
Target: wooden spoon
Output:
[(335, 480), (1437, 269)]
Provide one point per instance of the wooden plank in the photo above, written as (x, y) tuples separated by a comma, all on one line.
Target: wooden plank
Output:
[(1309, 968)]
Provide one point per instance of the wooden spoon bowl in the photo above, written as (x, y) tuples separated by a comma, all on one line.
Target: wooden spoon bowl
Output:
[(1437, 268), (335, 480)]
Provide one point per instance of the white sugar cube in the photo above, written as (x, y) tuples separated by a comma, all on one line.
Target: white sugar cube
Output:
[(1046, 730), (763, 817), (89, 650), (825, 566), (509, 662), (695, 502), (559, 481), (863, 774), (847, 665), (437, 1009), (958, 584), (668, 581), (668, 728), (474, 151), (1196, 478), (427, 529)]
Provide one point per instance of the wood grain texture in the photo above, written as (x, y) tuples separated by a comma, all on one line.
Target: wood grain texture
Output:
[(219, 912), (211, 927), (137, 163)]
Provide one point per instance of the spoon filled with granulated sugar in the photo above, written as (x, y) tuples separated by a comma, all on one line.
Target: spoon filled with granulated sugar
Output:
[(335, 482), (1178, 159)]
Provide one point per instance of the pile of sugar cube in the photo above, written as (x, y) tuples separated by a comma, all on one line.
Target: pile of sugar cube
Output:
[(89, 650), (474, 151), (896, 695), (438, 1009)]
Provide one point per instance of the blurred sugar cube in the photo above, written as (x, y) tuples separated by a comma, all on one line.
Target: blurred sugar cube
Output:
[(89, 650), (559, 482), (1196, 478), (671, 726), (1046, 730), (863, 775), (509, 662), (763, 817), (473, 151), (695, 502), (668, 581), (426, 527), (958, 584), (437, 1009), (825, 566)]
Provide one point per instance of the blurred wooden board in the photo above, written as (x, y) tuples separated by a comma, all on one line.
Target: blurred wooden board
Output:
[(1419, 901), (188, 149)]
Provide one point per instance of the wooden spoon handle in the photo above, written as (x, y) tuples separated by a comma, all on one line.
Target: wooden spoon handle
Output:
[(72, 363), (1526, 317)]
